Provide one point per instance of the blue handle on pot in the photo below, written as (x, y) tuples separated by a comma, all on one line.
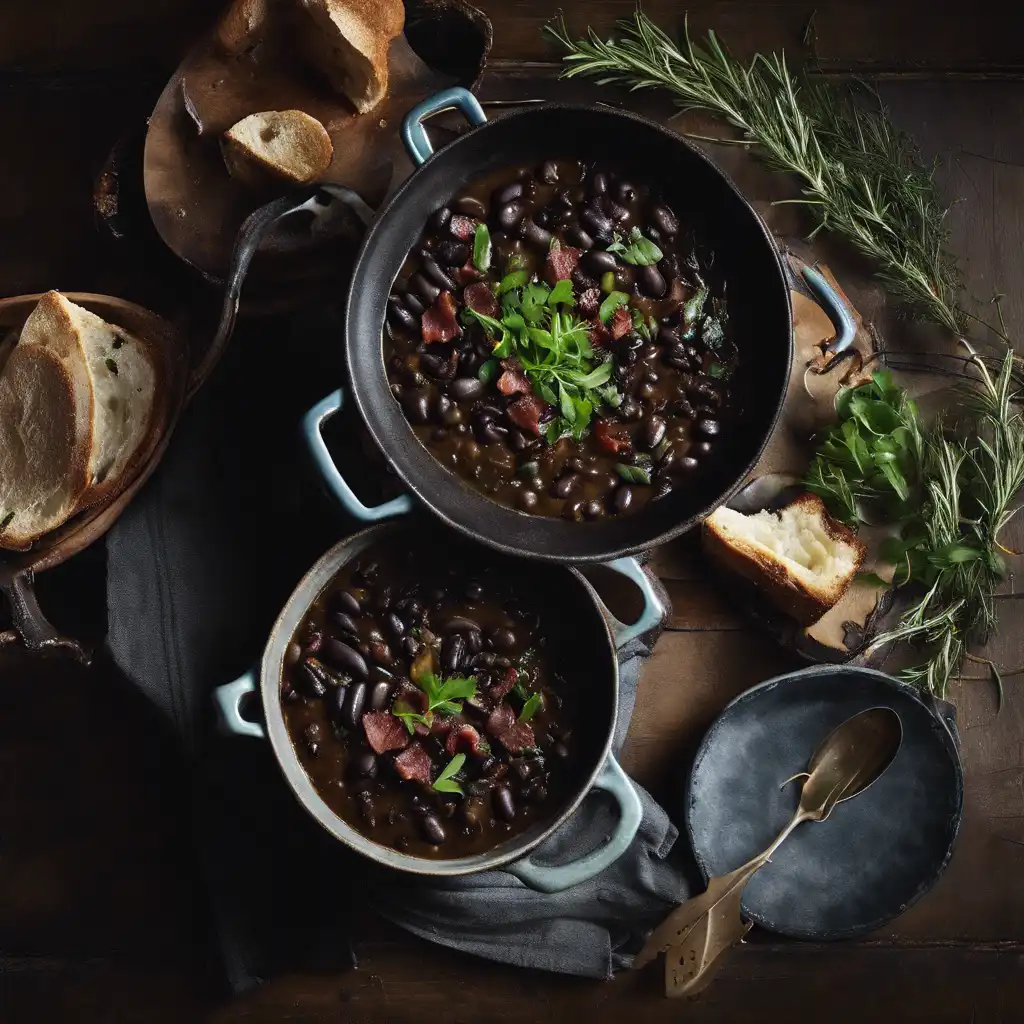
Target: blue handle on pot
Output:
[(312, 424), (414, 135), (614, 781), (227, 699), (653, 611), (837, 310)]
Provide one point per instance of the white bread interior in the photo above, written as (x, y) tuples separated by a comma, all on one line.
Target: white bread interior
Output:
[(283, 144)]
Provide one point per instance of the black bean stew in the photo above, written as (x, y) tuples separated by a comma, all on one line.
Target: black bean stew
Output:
[(556, 340), (424, 706)]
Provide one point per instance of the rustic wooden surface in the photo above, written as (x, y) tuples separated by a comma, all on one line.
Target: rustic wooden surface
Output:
[(102, 916)]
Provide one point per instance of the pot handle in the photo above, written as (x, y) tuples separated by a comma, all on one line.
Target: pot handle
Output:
[(653, 610), (414, 135), (837, 310), (312, 430), (554, 878), (227, 700)]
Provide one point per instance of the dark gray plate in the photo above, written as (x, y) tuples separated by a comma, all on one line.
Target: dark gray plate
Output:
[(875, 855)]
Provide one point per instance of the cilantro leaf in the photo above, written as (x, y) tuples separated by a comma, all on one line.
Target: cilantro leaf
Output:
[(534, 703), (561, 294), (482, 248), (445, 782), (610, 304), (535, 297), (488, 370), (641, 251), (633, 474), (514, 279)]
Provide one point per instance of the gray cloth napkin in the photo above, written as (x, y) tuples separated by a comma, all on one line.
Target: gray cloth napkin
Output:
[(198, 567)]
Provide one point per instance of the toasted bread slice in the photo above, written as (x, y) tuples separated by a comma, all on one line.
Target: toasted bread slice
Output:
[(121, 374), (800, 557), (282, 144), (45, 441), (348, 41)]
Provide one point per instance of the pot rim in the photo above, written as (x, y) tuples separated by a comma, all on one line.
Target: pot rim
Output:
[(420, 491), (271, 667)]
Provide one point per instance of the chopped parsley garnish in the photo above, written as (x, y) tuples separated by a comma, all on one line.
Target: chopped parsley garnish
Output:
[(553, 347), (640, 251), (482, 248), (534, 703), (445, 783), (442, 697)]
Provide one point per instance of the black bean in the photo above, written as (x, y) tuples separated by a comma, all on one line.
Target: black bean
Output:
[(465, 389), (292, 654), (503, 639), (441, 217), (575, 235), (625, 192), (548, 172), (346, 601), (345, 657), (396, 625), (411, 646), (517, 440), (708, 427), (460, 624), (491, 433), (566, 485), (651, 282), (345, 623), (435, 366), (599, 184), (624, 278), (362, 765), (534, 233), (511, 214), (501, 799), (352, 709), (474, 642), (470, 206), (527, 500), (311, 682), (366, 809), (426, 288), (630, 410), (417, 405), (560, 750), (617, 212), (380, 695), (645, 390), (661, 488), (433, 830), (599, 262), (669, 266), (452, 253), (443, 405), (688, 462), (665, 220), (596, 223), (543, 217), (593, 509), (485, 660), (453, 650), (652, 432), (399, 316), (701, 449), (438, 276), (508, 193), (622, 498), (583, 281)]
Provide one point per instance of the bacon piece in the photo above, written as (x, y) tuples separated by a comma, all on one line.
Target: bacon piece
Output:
[(468, 273), (500, 690), (621, 323), (465, 739), (438, 323), (462, 227), (560, 263), (609, 438), (600, 336), (589, 303), (384, 731), (526, 411), (479, 297), (414, 764), (412, 696), (502, 719), (518, 737), (513, 381)]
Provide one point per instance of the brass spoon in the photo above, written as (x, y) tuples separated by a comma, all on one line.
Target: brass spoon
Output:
[(697, 934)]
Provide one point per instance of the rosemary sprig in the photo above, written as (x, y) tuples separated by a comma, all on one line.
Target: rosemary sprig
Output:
[(861, 176)]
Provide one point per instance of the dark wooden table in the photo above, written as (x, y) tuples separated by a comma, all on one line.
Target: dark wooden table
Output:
[(102, 916)]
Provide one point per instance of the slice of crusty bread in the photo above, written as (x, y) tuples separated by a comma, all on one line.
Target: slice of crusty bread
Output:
[(348, 40), (121, 374), (800, 557), (45, 441), (286, 144), (242, 25)]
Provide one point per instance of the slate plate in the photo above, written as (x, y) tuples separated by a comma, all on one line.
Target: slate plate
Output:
[(875, 855)]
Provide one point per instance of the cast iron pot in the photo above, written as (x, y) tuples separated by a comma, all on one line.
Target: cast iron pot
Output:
[(746, 255), (596, 635)]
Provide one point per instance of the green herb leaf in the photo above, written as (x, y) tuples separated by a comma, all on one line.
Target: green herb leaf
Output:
[(610, 304), (410, 718), (511, 281), (535, 297), (534, 703), (444, 783), (633, 474), (561, 294), (718, 371), (641, 251), (488, 370), (482, 248)]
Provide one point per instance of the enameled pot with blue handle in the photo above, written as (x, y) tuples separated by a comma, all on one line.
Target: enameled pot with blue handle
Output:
[(597, 636), (746, 256)]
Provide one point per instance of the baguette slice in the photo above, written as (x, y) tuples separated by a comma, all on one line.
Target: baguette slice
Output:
[(283, 144), (242, 25), (119, 371), (800, 557), (348, 40), (45, 441)]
